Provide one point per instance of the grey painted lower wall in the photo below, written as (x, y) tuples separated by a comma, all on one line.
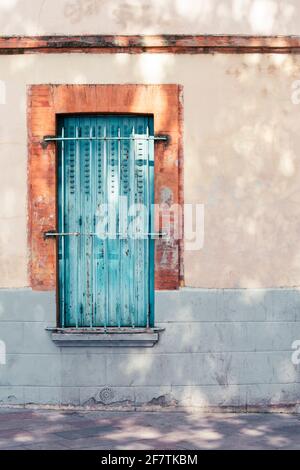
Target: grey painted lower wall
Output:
[(220, 348)]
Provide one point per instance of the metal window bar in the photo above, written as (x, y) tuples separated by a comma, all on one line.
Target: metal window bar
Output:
[(141, 235), (50, 138)]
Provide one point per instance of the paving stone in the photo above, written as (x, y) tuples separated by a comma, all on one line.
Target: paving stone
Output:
[(54, 429)]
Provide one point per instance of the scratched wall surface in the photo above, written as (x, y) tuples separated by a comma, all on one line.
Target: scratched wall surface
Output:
[(19, 17), (241, 145)]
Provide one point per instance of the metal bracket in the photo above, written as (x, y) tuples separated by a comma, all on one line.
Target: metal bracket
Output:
[(158, 234), (53, 234)]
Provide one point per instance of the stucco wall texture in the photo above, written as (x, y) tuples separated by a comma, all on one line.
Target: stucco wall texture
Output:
[(241, 145), (149, 17), (219, 348)]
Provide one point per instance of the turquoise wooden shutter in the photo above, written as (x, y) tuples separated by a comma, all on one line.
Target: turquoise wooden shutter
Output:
[(106, 188)]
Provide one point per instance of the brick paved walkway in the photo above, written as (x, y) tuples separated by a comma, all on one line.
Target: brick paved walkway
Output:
[(46, 429)]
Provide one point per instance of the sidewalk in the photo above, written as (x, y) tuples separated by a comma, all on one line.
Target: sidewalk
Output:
[(46, 429)]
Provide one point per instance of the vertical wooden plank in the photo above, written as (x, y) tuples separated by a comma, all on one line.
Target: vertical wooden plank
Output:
[(137, 225), (142, 242), (77, 247), (92, 194), (68, 194), (99, 201), (145, 241), (86, 223), (137, 248), (151, 222), (106, 247), (126, 249), (62, 224), (133, 306), (118, 226), (61, 253), (113, 243)]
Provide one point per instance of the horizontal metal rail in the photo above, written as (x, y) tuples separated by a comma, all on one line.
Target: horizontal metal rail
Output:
[(106, 234), (50, 138)]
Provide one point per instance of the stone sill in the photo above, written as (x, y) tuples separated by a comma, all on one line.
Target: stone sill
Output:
[(112, 337)]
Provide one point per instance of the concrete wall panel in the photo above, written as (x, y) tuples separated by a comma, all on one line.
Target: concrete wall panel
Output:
[(207, 359)]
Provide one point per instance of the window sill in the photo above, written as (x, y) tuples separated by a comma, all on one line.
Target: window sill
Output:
[(98, 337)]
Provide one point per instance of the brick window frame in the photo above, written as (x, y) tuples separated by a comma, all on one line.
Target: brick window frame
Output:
[(45, 103)]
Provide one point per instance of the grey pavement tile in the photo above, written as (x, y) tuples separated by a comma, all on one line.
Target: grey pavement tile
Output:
[(45, 446), (102, 430), (85, 432), (12, 448), (88, 444)]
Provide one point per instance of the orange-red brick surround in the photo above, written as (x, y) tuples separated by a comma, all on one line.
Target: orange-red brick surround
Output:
[(45, 103)]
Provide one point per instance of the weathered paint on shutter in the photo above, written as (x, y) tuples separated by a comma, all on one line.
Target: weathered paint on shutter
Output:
[(106, 282)]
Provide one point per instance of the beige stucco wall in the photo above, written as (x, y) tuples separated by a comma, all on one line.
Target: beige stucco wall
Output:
[(149, 17), (241, 150)]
